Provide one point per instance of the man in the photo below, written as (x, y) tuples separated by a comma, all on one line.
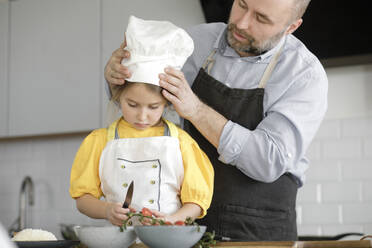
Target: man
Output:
[(257, 99)]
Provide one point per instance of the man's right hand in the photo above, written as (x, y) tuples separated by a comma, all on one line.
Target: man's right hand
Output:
[(115, 72)]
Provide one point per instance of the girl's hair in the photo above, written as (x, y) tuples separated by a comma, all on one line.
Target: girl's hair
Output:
[(117, 90), (113, 108)]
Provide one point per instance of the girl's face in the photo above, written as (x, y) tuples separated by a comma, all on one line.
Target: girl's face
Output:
[(141, 107)]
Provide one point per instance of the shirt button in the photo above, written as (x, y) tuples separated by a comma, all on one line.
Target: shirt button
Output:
[(151, 201), (123, 166), (125, 185), (152, 181), (289, 155), (154, 166)]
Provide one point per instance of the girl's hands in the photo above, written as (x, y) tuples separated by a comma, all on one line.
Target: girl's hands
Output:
[(150, 213), (116, 214), (168, 219)]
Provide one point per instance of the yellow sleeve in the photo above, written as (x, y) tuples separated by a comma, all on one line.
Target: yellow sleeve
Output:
[(84, 177), (197, 186)]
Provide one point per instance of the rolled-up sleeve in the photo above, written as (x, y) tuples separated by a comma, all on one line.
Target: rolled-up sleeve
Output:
[(279, 142)]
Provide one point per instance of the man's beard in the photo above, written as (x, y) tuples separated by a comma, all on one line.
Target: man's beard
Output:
[(252, 46)]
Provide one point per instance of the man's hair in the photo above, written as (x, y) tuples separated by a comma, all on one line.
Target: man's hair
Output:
[(300, 7)]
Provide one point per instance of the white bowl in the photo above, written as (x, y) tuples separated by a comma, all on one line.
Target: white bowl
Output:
[(169, 236), (106, 236)]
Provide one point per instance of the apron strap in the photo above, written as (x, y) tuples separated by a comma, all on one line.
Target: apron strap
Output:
[(209, 62), (111, 132), (270, 68), (170, 129)]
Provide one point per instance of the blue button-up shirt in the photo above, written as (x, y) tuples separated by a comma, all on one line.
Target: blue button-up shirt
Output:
[(295, 103)]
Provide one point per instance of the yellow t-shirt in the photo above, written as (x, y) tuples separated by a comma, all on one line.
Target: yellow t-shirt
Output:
[(197, 185)]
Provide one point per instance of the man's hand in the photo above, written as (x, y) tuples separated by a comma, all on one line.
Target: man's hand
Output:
[(209, 122), (115, 72), (178, 92)]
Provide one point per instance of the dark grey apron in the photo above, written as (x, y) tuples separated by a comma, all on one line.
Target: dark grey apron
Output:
[(243, 208)]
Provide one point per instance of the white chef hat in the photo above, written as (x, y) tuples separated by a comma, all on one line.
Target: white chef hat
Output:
[(153, 46)]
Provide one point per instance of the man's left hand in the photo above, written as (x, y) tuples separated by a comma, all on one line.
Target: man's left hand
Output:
[(178, 92)]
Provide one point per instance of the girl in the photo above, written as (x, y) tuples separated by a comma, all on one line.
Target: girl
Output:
[(171, 174)]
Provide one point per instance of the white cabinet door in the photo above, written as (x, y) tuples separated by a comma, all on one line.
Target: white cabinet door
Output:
[(54, 68), (115, 15), (4, 68)]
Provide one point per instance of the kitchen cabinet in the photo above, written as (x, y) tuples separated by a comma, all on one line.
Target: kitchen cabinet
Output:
[(54, 66), (4, 8), (53, 56)]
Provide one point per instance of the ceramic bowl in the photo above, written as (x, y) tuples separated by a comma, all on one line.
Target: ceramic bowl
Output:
[(169, 236), (106, 236)]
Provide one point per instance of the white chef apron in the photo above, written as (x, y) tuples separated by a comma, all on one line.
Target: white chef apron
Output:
[(154, 164)]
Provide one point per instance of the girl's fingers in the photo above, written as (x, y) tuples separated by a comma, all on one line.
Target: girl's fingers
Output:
[(157, 213)]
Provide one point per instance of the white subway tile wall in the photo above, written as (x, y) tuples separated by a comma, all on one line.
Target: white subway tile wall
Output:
[(337, 195), (47, 160)]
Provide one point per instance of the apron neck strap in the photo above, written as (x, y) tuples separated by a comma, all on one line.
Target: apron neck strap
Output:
[(170, 129), (209, 62), (270, 67), (111, 132)]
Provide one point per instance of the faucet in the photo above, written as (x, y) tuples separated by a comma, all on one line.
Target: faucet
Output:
[(27, 192), (28, 185)]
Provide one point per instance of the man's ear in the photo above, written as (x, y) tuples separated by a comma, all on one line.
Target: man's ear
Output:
[(294, 26)]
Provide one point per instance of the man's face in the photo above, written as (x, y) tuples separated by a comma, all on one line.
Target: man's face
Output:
[(256, 26)]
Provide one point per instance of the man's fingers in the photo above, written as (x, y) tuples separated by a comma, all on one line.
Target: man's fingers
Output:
[(171, 88), (120, 53), (170, 80), (117, 81), (120, 71), (117, 75), (124, 44), (170, 97), (176, 73)]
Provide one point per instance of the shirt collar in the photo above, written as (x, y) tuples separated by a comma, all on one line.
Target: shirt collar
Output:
[(224, 48)]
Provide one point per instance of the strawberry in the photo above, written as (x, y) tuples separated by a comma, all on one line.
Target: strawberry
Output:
[(179, 223), (146, 212)]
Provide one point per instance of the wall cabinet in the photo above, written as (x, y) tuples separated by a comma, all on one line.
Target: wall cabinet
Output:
[(4, 8), (54, 67), (52, 57)]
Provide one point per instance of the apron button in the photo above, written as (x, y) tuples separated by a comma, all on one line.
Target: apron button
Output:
[(125, 185), (151, 201), (152, 181), (154, 166)]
